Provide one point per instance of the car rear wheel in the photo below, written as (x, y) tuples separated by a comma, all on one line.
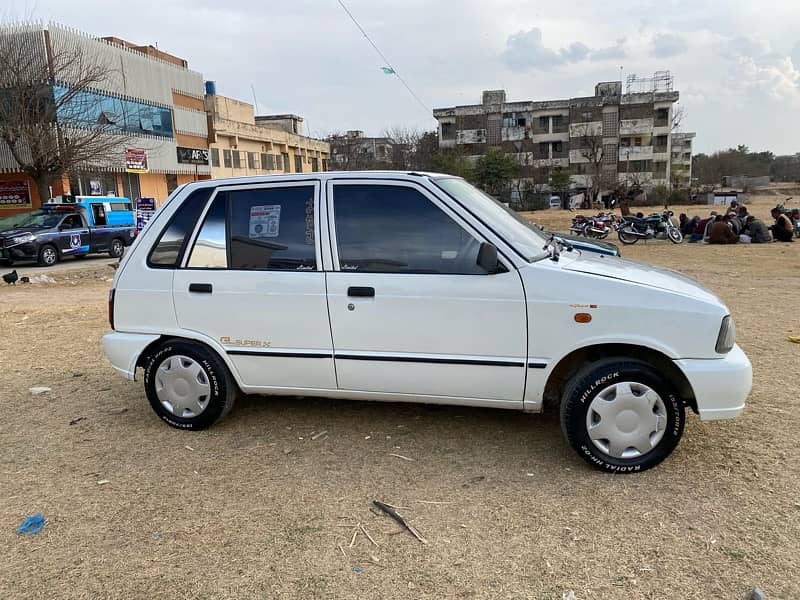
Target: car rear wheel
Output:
[(622, 415), (48, 255), (188, 385), (116, 249)]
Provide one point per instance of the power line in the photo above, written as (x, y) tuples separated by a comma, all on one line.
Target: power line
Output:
[(383, 57)]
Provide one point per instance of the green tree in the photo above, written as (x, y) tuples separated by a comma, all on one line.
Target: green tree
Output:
[(560, 181), (495, 171), (452, 162)]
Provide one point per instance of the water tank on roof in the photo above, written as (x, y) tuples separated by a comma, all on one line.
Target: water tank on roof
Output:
[(211, 88)]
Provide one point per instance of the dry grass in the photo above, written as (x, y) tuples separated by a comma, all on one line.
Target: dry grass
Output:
[(256, 508)]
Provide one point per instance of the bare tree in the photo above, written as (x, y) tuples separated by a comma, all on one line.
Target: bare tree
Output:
[(51, 118), (589, 143), (351, 152), (678, 116)]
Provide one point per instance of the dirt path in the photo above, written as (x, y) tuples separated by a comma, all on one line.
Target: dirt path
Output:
[(256, 507)]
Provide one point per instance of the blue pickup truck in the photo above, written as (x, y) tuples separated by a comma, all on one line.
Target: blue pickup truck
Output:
[(68, 226)]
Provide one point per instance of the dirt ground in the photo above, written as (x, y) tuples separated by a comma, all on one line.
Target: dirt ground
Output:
[(263, 506)]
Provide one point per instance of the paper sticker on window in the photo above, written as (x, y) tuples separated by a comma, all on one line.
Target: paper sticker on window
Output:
[(265, 221)]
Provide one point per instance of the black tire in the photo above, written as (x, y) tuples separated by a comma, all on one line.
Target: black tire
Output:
[(81, 255), (48, 255), (223, 389), (595, 379), (117, 248), (674, 235), (626, 236)]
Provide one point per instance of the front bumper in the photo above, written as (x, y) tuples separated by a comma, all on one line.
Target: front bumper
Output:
[(123, 350), (26, 251), (720, 385)]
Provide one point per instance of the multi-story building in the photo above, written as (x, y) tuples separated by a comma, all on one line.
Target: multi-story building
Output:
[(353, 150), (149, 102), (606, 140), (681, 162), (242, 143)]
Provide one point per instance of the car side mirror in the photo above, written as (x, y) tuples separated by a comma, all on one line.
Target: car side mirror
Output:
[(487, 258)]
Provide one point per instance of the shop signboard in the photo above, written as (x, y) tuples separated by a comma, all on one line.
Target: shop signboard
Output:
[(192, 156), (135, 160), (15, 194), (145, 209)]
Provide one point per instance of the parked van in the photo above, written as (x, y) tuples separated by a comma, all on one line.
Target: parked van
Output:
[(410, 287)]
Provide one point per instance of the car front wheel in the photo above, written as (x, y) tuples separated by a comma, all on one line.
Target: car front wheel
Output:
[(622, 415), (117, 248), (188, 385), (48, 255)]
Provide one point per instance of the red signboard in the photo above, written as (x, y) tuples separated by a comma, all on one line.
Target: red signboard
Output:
[(135, 160), (14, 194)]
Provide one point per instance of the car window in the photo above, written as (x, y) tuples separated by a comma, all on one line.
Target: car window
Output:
[(72, 222), (210, 251), (168, 250), (396, 229), (273, 229)]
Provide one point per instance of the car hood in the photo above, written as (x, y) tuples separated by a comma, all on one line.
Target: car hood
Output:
[(643, 274), (18, 231)]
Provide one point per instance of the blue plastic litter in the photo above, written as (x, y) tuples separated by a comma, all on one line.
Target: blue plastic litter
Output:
[(32, 524), (358, 570)]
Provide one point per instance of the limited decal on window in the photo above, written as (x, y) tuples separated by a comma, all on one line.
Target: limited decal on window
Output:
[(265, 221), (310, 221)]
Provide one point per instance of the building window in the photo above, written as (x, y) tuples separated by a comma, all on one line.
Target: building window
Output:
[(273, 229), (266, 162), (226, 157), (544, 123), (544, 149), (448, 131), (407, 233), (237, 159), (251, 160), (558, 120), (637, 142), (214, 157), (324, 164), (298, 163), (580, 168), (285, 156), (586, 116), (130, 186), (662, 117), (557, 146), (610, 124), (172, 182), (314, 165)]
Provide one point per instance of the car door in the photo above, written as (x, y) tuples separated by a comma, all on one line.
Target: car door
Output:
[(252, 283), (73, 235), (411, 311)]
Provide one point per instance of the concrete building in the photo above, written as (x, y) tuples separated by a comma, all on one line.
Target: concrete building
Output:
[(242, 143), (681, 161), (153, 102), (607, 140), (353, 150)]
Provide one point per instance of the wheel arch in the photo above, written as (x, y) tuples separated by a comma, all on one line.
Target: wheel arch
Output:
[(568, 365)]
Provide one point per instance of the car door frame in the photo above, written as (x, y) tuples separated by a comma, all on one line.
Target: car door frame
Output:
[(65, 246), (463, 218)]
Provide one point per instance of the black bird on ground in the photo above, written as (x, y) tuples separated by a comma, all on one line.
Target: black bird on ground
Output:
[(24, 279), (11, 278)]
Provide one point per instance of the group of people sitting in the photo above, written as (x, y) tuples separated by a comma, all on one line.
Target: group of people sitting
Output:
[(737, 226)]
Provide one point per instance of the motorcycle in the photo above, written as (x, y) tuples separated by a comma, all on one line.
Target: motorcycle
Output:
[(657, 226), (598, 227)]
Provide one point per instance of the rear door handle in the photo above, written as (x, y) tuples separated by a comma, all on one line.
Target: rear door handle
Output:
[(201, 288), (361, 292)]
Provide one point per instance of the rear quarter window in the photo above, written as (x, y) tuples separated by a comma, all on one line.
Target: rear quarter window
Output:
[(171, 244)]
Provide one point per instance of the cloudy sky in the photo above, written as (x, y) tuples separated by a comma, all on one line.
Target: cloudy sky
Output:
[(736, 63)]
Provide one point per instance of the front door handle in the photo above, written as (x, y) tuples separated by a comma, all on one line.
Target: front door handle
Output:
[(361, 292), (201, 288)]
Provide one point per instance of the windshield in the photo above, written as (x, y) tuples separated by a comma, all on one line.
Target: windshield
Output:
[(36, 218), (517, 231)]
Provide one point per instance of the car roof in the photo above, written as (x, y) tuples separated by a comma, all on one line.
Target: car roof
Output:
[(316, 176)]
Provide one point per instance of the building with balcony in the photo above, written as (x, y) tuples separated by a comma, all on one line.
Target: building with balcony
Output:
[(353, 151), (681, 159), (609, 139), (149, 103), (243, 143)]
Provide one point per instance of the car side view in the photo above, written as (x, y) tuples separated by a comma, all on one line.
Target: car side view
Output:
[(413, 287)]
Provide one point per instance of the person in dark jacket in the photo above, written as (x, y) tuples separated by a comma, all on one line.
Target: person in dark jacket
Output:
[(758, 232), (782, 229), (721, 231)]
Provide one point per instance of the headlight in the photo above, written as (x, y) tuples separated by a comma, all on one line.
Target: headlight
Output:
[(22, 239), (727, 336)]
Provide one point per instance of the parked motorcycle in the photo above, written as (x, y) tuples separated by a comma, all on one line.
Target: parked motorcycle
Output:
[(657, 226), (598, 227)]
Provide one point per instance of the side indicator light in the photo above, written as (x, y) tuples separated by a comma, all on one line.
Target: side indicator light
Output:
[(583, 317)]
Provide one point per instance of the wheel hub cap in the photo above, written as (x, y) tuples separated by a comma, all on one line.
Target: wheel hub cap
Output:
[(626, 420), (182, 386)]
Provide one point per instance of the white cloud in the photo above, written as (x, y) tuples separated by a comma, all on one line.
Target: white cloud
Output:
[(666, 45)]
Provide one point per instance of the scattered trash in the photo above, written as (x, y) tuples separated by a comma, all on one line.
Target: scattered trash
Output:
[(78, 374), (319, 435), (157, 535), (341, 550), (366, 533), (568, 596), (402, 457), (474, 480), (375, 559), (431, 502), (77, 420), (39, 389), (794, 338), (42, 279), (358, 570), (757, 594), (189, 448), (287, 450), (399, 518), (103, 482), (32, 524), (118, 411)]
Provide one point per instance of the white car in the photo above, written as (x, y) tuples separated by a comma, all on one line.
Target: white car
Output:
[(410, 287)]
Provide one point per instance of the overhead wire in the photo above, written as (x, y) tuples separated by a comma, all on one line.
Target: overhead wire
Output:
[(383, 57)]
